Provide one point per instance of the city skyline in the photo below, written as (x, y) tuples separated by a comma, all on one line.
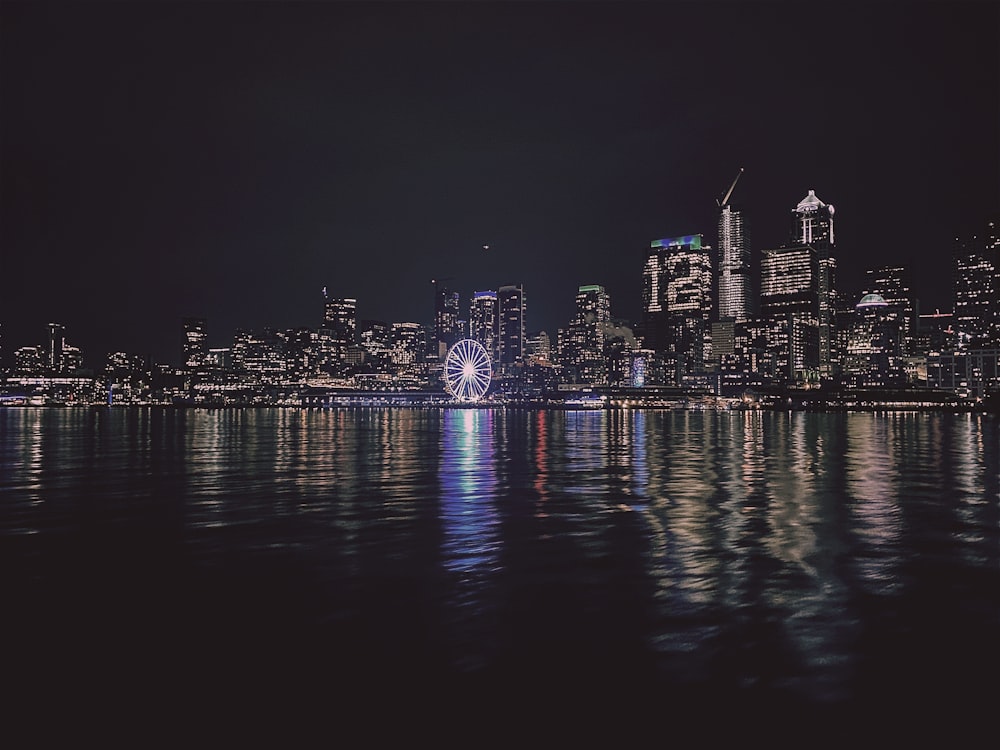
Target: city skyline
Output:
[(369, 149)]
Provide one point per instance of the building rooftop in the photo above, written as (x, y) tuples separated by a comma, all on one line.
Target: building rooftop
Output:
[(810, 203), (872, 300)]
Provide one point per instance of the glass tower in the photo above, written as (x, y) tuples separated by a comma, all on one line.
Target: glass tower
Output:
[(812, 225), (512, 309), (734, 266), (483, 319), (195, 342), (677, 302)]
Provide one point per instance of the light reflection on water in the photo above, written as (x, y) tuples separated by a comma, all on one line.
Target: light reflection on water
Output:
[(804, 554)]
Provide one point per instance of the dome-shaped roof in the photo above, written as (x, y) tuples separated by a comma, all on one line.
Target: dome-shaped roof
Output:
[(872, 300)]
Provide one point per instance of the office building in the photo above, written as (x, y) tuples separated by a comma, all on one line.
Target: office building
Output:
[(337, 334), (581, 345), (484, 320), (447, 319), (195, 343), (892, 284), (812, 226), (54, 352), (734, 261), (512, 308), (874, 346), (975, 266), (677, 304), (790, 296)]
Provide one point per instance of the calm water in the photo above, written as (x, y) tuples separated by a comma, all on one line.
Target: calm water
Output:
[(682, 558)]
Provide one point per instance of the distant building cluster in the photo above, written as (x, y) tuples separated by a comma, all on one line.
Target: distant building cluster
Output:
[(703, 328)]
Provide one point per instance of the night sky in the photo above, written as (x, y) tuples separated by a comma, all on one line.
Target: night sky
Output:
[(229, 160)]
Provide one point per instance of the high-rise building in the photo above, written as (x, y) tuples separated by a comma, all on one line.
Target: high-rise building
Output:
[(375, 337), (581, 346), (30, 360), (677, 303), (484, 319), (734, 261), (340, 317), (57, 342), (512, 308), (260, 354), (337, 334), (539, 345), (195, 342), (812, 225), (977, 295), (447, 319), (790, 296), (892, 284), (301, 360), (407, 346)]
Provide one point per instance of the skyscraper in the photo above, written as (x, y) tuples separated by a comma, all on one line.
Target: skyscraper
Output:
[(892, 284), (873, 351), (582, 343), (677, 302), (483, 320), (789, 296), (812, 225), (195, 342), (977, 297), (57, 341), (447, 326), (734, 261), (512, 308), (340, 317), (337, 333)]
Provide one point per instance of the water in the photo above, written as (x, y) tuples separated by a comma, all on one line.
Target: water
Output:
[(674, 560)]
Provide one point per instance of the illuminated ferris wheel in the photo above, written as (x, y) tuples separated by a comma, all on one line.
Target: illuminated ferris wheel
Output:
[(467, 370)]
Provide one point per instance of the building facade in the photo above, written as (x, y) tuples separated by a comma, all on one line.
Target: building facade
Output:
[(734, 266), (812, 225), (512, 308), (975, 265), (195, 343), (790, 297), (581, 345), (484, 321), (677, 304)]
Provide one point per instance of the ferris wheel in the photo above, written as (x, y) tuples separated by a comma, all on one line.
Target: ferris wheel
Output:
[(467, 370)]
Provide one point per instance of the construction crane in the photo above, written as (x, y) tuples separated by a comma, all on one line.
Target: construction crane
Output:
[(729, 192)]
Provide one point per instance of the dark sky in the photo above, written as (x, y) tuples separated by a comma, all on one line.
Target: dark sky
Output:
[(229, 160)]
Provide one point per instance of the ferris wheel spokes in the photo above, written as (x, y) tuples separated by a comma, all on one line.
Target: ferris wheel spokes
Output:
[(467, 370)]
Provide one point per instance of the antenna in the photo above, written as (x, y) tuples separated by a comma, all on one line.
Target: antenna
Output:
[(729, 192)]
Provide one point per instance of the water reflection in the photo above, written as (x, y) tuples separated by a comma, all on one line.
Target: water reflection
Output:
[(873, 500), (830, 556), (471, 544)]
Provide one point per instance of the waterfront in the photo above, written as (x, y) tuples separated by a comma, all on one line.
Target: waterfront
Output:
[(686, 558)]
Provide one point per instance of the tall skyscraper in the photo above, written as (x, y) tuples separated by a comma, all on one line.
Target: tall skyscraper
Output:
[(734, 261), (892, 284), (581, 346), (790, 296), (195, 342), (447, 314), (337, 334), (484, 319), (512, 312), (977, 296), (407, 347), (873, 351), (677, 302), (340, 317), (812, 225), (57, 342)]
